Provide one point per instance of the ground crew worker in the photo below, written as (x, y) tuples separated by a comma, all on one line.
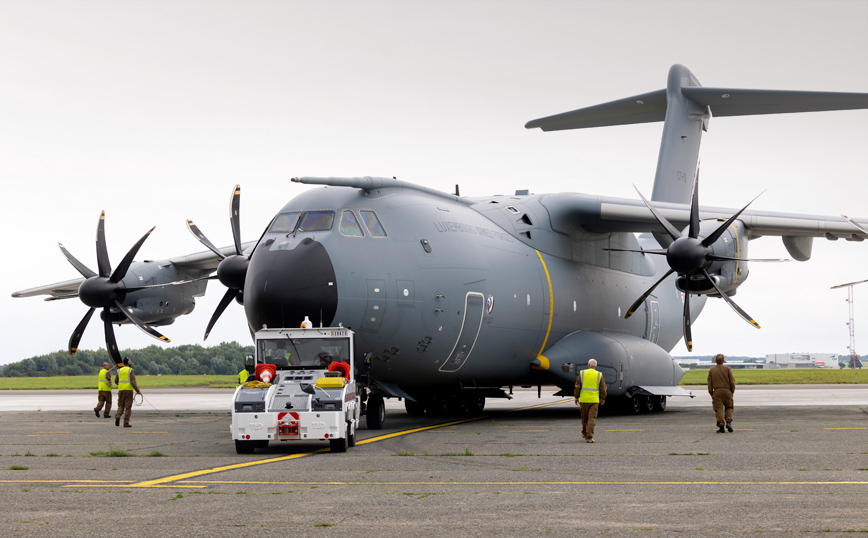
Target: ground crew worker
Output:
[(721, 386), (242, 376), (126, 381), (104, 386), (590, 394)]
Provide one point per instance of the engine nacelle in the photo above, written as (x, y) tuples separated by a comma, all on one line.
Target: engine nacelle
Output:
[(728, 275)]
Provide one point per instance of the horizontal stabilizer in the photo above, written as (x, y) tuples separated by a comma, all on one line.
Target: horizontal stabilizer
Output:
[(651, 107), (733, 102), (645, 108)]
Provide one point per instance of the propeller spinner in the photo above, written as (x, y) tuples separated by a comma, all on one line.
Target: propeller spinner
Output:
[(106, 290)]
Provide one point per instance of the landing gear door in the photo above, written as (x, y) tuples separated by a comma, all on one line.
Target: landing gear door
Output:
[(474, 305)]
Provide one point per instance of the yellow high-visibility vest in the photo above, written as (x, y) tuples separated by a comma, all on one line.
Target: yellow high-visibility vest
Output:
[(124, 378), (242, 376), (101, 383), (590, 386)]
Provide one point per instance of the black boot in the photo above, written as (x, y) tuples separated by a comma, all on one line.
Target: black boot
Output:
[(721, 430), (118, 422), (729, 427)]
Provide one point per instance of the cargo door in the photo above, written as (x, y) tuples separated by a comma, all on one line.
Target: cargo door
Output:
[(474, 306)]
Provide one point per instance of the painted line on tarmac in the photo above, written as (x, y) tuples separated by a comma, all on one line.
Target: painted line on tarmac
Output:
[(545, 483), (162, 482), (845, 428)]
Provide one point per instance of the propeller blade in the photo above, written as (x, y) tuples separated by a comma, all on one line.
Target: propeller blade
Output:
[(224, 302), (685, 323), (130, 316), (693, 230), (734, 259), (730, 302), (235, 219), (645, 295), (121, 270), (80, 267), (715, 235), (671, 230), (856, 224), (197, 233), (79, 331), (111, 343), (655, 251), (102, 260)]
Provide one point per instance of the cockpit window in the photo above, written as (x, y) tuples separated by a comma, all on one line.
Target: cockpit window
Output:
[(284, 223), (317, 221), (373, 224), (349, 224)]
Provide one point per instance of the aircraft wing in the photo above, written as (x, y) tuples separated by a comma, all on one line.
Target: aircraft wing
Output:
[(200, 261), (571, 213)]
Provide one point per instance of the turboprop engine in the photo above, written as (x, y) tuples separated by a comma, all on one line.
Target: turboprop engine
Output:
[(729, 269)]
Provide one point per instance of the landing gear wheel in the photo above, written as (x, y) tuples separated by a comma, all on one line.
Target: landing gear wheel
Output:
[(648, 404), (660, 403), (414, 408), (376, 412), (634, 404), (245, 447), (351, 435), (473, 405), (339, 445)]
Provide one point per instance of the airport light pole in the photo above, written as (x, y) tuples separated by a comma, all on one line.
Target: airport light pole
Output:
[(854, 358)]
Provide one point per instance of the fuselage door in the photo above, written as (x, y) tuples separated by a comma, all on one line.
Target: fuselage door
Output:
[(474, 306), (652, 326)]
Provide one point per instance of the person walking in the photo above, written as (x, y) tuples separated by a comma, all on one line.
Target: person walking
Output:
[(104, 396), (721, 386), (126, 382), (590, 394)]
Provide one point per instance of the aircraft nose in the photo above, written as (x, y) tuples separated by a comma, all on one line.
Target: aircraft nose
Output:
[(286, 284)]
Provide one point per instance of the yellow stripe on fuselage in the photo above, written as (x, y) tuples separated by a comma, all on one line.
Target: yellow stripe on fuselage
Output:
[(551, 303)]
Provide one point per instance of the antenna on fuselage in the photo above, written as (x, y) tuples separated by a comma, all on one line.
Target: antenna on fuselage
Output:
[(456, 190)]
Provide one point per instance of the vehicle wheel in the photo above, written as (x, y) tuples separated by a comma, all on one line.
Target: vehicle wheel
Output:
[(414, 408), (339, 445), (648, 404), (376, 412), (634, 404), (351, 435), (245, 447), (660, 403)]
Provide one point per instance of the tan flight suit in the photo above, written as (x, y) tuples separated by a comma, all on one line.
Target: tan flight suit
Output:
[(721, 386), (589, 410), (125, 398)]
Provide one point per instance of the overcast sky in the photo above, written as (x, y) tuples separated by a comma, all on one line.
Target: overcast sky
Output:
[(154, 110)]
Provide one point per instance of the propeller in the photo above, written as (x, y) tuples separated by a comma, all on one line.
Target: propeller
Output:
[(690, 256), (105, 289), (232, 270)]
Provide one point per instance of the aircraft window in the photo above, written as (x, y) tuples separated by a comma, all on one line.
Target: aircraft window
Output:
[(373, 223), (284, 223), (317, 221), (349, 224)]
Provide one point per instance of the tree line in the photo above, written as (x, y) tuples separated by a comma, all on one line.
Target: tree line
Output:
[(226, 358)]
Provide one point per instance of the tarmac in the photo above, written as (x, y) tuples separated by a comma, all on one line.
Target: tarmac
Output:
[(797, 462)]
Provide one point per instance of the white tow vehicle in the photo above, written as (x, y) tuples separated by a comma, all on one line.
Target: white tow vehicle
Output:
[(304, 389)]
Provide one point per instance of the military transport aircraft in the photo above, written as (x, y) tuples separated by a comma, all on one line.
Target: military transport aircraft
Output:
[(457, 298)]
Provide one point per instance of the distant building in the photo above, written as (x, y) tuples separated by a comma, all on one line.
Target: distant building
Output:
[(804, 360)]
